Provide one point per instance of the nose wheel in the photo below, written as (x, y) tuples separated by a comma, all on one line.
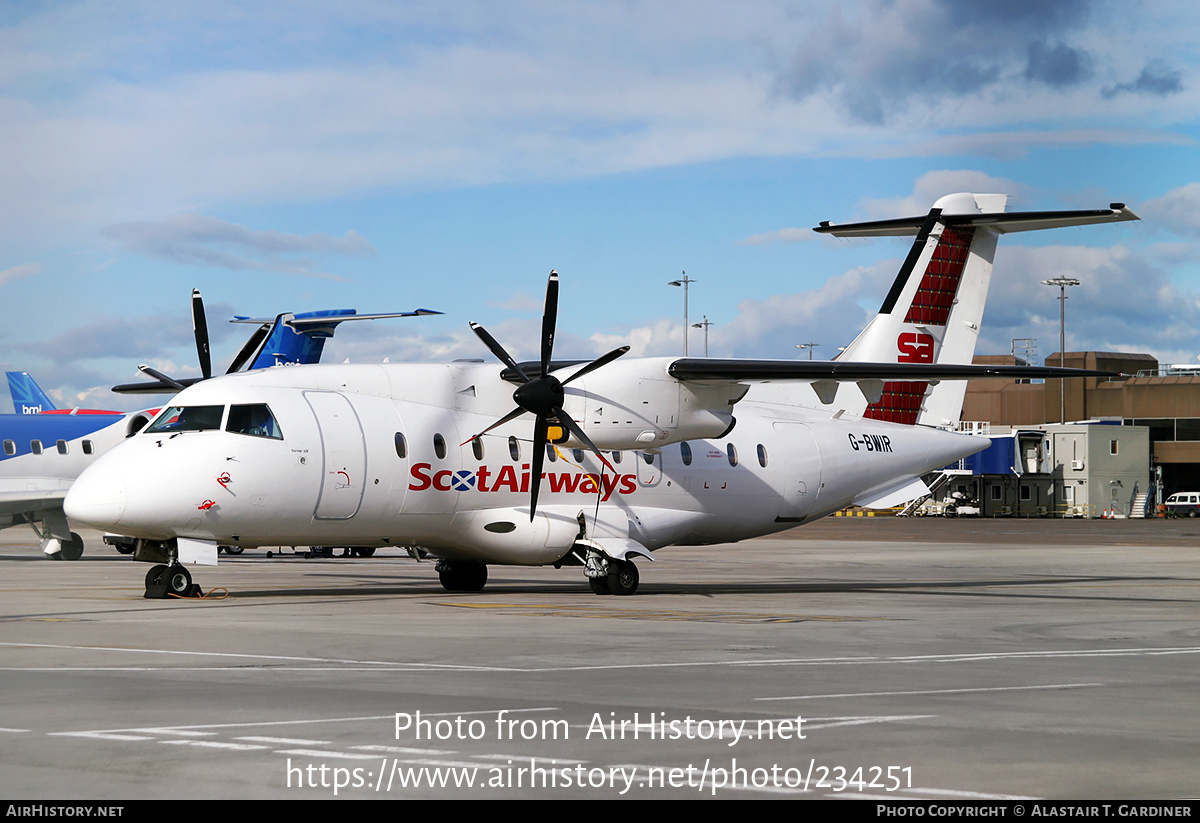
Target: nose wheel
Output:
[(170, 581)]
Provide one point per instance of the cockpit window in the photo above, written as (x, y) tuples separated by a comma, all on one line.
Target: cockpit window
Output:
[(255, 420), (187, 419)]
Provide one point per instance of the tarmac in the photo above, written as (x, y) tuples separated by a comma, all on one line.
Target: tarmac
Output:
[(854, 658)]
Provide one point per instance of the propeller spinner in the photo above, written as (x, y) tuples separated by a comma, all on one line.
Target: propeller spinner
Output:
[(543, 395)]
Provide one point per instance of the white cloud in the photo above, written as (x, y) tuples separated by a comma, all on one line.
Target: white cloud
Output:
[(17, 272), (274, 106), (194, 239), (792, 235), (934, 184), (1178, 210)]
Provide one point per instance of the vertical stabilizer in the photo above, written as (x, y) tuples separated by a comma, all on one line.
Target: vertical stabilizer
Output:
[(934, 309), (27, 395)]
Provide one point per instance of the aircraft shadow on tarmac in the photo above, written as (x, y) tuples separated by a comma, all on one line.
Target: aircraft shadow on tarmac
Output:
[(358, 586)]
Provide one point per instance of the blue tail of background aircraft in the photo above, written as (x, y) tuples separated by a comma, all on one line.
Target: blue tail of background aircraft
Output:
[(300, 337), (285, 339), (27, 395)]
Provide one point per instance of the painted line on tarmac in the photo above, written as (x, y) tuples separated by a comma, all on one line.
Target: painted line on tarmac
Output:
[(932, 691)]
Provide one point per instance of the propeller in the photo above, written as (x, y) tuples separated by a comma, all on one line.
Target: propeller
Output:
[(543, 395), (170, 385), (200, 327)]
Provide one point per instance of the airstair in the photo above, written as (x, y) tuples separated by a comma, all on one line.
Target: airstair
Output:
[(934, 483)]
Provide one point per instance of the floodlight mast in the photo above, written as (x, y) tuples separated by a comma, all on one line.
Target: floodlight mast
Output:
[(1062, 283)]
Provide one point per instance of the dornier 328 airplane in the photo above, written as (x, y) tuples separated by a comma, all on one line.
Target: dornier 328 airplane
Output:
[(571, 462)]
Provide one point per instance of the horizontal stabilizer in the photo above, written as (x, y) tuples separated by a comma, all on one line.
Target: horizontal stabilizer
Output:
[(324, 318), (1001, 222)]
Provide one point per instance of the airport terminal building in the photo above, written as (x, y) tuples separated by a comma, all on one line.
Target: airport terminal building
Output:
[(1129, 443)]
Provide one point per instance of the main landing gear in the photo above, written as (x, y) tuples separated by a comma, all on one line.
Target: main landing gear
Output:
[(170, 581), (607, 575), (462, 575)]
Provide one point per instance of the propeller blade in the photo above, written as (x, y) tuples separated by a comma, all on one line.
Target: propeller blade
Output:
[(539, 456), (512, 415), (162, 378), (251, 347), (549, 321), (603, 360), (573, 427), (497, 350), (200, 327)]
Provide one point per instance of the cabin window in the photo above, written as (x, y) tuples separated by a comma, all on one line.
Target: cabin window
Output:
[(255, 420), (616, 457), (731, 453), (762, 455), (648, 457), (35, 446), (401, 446), (88, 448), (10, 447), (551, 452), (514, 448), (685, 451), (577, 454), (477, 447), (62, 446), (187, 419), (439, 446)]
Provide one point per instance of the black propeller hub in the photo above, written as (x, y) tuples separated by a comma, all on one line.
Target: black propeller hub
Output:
[(542, 395)]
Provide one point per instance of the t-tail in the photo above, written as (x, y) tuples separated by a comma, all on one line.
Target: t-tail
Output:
[(27, 395), (299, 338), (934, 309)]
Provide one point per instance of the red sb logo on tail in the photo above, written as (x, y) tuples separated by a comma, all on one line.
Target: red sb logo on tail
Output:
[(914, 347)]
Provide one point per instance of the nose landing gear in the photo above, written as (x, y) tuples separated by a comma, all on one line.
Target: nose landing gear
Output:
[(164, 581)]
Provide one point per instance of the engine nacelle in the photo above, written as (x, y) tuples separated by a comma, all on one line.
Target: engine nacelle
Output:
[(638, 405)]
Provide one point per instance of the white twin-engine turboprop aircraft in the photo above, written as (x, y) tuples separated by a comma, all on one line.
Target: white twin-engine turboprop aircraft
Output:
[(585, 463)]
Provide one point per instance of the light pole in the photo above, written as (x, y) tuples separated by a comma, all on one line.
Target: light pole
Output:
[(809, 346), (704, 326), (683, 281), (1062, 283)]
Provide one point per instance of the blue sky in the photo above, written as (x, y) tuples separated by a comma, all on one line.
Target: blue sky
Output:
[(385, 156)]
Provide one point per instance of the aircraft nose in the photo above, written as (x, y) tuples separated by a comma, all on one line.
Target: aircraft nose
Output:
[(97, 497)]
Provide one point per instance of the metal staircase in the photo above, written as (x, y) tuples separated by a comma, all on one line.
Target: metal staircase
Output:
[(934, 482)]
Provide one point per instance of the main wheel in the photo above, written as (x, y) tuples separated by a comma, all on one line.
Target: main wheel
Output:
[(233, 549), (622, 577), (599, 585), (464, 577)]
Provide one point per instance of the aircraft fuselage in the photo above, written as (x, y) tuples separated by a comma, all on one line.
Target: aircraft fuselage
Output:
[(381, 464)]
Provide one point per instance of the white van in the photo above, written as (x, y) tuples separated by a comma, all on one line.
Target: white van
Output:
[(1184, 504)]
